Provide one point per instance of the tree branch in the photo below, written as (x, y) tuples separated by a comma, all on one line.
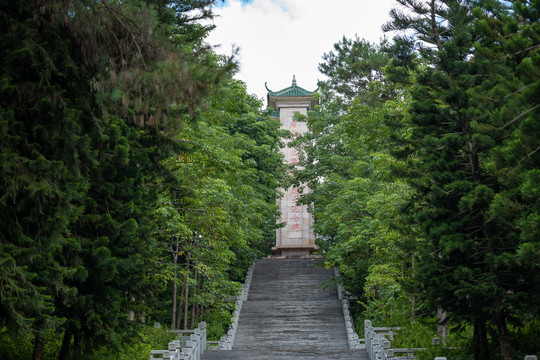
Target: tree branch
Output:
[(520, 116)]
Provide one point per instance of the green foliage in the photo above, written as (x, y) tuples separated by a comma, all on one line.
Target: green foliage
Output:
[(355, 71), (420, 334), (388, 309), (43, 143), (20, 347), (14, 347), (149, 338), (217, 324), (139, 347), (350, 166), (218, 212)]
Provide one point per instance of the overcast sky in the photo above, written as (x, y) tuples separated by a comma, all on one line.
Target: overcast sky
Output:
[(279, 38)]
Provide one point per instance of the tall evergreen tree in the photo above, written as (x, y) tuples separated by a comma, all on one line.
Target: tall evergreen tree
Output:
[(509, 50), (46, 103), (87, 89), (466, 260), (354, 70)]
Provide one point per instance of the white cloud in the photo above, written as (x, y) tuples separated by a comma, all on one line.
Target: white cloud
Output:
[(279, 38)]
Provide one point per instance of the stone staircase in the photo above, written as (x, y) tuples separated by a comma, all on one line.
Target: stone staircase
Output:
[(289, 315)]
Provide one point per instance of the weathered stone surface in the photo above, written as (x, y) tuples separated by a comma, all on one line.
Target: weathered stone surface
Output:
[(290, 314), (284, 355)]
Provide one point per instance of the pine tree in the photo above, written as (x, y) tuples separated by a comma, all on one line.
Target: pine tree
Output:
[(466, 260), (354, 70), (509, 52), (87, 89), (45, 105)]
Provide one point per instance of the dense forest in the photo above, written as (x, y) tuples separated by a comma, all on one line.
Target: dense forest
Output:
[(138, 177)]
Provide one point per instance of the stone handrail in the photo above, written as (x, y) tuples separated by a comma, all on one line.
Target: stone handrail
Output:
[(227, 340), (193, 350), (355, 343), (378, 345)]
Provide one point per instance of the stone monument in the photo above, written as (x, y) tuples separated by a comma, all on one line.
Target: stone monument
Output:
[(296, 238)]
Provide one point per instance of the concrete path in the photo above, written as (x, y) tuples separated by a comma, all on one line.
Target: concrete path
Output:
[(290, 315)]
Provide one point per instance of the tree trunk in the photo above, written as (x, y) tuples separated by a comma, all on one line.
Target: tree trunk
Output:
[(173, 316), (195, 293), (66, 342), (436, 35), (480, 343), (186, 306), (179, 312), (504, 341), (186, 293), (413, 300), (143, 315), (198, 307), (77, 347), (175, 287), (39, 342), (442, 329)]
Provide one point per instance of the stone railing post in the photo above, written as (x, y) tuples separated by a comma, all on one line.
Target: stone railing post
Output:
[(196, 345), (187, 353), (386, 352), (202, 329), (375, 348), (173, 350), (367, 337)]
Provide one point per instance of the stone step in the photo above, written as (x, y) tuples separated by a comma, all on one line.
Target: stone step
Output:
[(285, 355), (314, 345), (315, 306)]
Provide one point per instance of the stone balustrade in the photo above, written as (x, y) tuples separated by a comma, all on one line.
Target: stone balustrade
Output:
[(378, 346), (193, 349), (355, 343), (227, 340)]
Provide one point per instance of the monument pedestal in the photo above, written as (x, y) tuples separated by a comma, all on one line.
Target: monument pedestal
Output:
[(294, 251)]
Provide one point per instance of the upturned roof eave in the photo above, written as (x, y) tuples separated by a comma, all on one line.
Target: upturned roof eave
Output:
[(292, 92)]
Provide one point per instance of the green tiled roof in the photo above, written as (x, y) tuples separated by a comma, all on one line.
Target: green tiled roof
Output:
[(291, 91)]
